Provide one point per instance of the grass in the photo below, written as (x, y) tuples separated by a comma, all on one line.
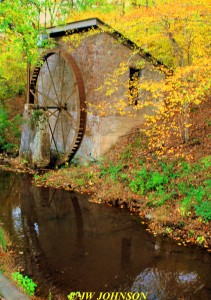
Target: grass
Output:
[(6, 260), (7, 266), (26, 283), (2, 240)]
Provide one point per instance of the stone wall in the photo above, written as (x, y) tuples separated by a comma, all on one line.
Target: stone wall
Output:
[(98, 57)]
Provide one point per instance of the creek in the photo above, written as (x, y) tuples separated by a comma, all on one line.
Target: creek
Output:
[(66, 243)]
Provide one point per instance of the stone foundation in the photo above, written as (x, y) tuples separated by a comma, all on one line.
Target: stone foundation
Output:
[(35, 139)]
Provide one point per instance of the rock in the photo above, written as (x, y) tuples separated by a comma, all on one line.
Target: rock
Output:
[(149, 216), (35, 139)]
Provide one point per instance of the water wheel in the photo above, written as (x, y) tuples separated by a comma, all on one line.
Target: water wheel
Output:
[(57, 87)]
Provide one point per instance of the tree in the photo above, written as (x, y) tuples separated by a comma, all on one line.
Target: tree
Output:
[(20, 29), (176, 33), (18, 45), (184, 33)]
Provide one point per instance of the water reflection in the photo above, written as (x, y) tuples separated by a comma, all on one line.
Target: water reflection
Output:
[(161, 284), (16, 218), (70, 244)]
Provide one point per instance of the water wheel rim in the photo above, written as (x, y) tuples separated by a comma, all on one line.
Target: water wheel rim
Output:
[(59, 105)]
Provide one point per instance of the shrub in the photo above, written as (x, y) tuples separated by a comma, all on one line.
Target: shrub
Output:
[(168, 169), (112, 170), (204, 210), (9, 131), (206, 162), (137, 184), (156, 180), (159, 197), (25, 282), (146, 181), (2, 240)]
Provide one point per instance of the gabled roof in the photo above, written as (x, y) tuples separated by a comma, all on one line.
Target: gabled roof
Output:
[(77, 26), (85, 25)]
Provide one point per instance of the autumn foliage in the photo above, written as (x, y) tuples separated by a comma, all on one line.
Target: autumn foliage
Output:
[(175, 33)]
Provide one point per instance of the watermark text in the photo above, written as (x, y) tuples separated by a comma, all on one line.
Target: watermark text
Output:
[(108, 296)]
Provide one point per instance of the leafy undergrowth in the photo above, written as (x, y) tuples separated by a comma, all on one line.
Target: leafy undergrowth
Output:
[(6, 261), (173, 194), (10, 125), (9, 269)]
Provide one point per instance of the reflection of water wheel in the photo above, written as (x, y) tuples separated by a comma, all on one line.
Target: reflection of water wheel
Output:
[(57, 87)]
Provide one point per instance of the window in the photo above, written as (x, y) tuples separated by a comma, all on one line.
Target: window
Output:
[(135, 75)]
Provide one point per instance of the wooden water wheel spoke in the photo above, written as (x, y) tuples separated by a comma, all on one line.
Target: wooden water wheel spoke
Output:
[(54, 128), (71, 127), (63, 135), (36, 96), (42, 82), (53, 73), (62, 81), (51, 77), (45, 97), (57, 88), (52, 113), (71, 94), (73, 122), (52, 82), (53, 139), (66, 139)]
